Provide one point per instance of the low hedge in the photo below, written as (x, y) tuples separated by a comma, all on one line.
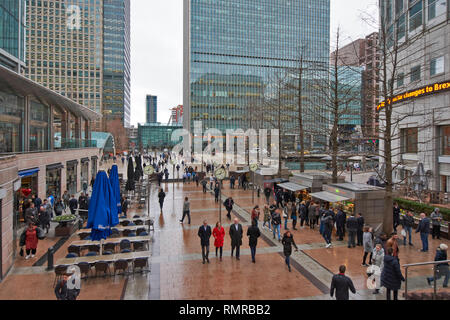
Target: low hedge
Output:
[(418, 208)]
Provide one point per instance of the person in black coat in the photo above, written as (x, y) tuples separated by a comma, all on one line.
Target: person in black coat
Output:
[(204, 232), (341, 284), (216, 193), (442, 269), (236, 234), (73, 205), (396, 216), (391, 276), (288, 242), (161, 197), (352, 228), (267, 192), (303, 214), (229, 206), (360, 232), (253, 234)]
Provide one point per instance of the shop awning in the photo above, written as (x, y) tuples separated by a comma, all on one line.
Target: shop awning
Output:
[(277, 180), (55, 166), (27, 173), (242, 171), (292, 186), (329, 197), (84, 160)]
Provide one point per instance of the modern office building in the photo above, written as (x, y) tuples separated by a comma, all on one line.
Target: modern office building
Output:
[(421, 111), (45, 148), (177, 115), (81, 49), (13, 34), (234, 48), (151, 106), (116, 61), (156, 136)]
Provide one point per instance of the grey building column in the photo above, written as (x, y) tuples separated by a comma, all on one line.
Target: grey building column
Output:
[(26, 124)]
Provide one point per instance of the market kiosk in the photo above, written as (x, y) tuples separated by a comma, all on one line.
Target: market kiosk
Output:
[(307, 183), (355, 198)]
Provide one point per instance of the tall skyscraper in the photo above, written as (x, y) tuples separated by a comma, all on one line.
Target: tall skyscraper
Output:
[(12, 34), (152, 109), (80, 49), (233, 48), (116, 60)]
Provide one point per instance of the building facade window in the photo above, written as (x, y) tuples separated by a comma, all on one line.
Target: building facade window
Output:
[(410, 140), (445, 140), (437, 66), (415, 73), (11, 123), (415, 16), (53, 180), (436, 8), (71, 177), (400, 80), (39, 128)]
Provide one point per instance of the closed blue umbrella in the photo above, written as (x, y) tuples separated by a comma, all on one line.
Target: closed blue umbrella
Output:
[(115, 185), (102, 208)]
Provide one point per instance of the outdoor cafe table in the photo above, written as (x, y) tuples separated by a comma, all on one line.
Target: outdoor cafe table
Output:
[(145, 219), (119, 228), (86, 243), (108, 258)]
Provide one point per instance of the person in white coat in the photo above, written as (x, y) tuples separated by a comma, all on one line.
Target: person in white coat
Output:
[(377, 266)]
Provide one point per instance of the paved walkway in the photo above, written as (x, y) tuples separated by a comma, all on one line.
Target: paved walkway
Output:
[(176, 265)]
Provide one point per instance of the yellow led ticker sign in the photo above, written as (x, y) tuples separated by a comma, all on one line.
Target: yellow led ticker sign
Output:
[(417, 93)]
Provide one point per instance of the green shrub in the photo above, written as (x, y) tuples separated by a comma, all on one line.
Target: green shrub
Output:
[(418, 208)]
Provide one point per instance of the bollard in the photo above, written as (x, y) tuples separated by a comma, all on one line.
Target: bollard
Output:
[(50, 255)]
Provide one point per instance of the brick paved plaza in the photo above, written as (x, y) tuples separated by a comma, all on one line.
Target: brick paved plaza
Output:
[(176, 265)]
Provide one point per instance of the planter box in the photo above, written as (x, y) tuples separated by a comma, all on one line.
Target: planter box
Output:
[(66, 231)]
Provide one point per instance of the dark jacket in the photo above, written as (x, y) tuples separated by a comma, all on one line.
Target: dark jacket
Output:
[(276, 218), (328, 223), (360, 221), (352, 224), (441, 255), (391, 276), (396, 213), (63, 293), (161, 196), (341, 284), (408, 221), (341, 219), (73, 204), (204, 235), (229, 204), (253, 233), (288, 242), (267, 192), (424, 226), (236, 235)]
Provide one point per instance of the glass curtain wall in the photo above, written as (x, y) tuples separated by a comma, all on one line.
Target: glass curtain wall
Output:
[(12, 110), (39, 128)]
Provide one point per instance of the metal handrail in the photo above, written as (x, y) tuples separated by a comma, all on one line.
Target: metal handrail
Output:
[(434, 263)]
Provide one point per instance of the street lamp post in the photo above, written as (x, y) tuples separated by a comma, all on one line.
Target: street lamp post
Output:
[(253, 169), (220, 175)]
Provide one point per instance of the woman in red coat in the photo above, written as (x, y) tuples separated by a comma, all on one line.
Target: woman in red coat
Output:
[(219, 235), (31, 241)]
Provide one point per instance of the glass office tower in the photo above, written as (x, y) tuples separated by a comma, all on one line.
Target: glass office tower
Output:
[(12, 34), (151, 105), (116, 60), (233, 48)]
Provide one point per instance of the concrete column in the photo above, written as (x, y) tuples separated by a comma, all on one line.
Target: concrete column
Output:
[(64, 126), (26, 125)]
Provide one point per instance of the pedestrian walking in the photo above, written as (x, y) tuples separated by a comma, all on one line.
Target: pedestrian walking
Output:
[(204, 232), (352, 228), (327, 222), (253, 234), (341, 284), (125, 203), (442, 269), (73, 205), (436, 219), (216, 193), (312, 214), (396, 216), (186, 211), (286, 211), (229, 206), (267, 193), (393, 243), (65, 292), (407, 225), (266, 216), (303, 214), (66, 199), (255, 215), (276, 223), (31, 214), (360, 230), (45, 215), (378, 262), (204, 184), (236, 234), (368, 245), (59, 207), (294, 215), (424, 229), (219, 236), (30, 238), (391, 276), (288, 242), (161, 197)]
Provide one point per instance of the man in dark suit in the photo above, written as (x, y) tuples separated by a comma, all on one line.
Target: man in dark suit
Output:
[(204, 232), (341, 284), (236, 234)]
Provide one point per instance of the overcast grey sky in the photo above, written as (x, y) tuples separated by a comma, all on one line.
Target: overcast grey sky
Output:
[(157, 48)]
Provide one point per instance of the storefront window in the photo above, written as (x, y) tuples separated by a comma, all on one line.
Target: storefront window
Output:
[(445, 144), (39, 116), (409, 140), (71, 177), (85, 173), (11, 123), (57, 128), (54, 182), (94, 167)]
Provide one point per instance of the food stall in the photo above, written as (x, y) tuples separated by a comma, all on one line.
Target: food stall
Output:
[(355, 198), (264, 177)]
